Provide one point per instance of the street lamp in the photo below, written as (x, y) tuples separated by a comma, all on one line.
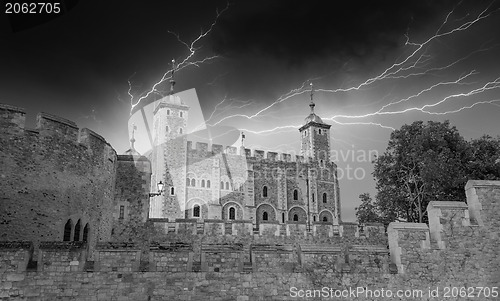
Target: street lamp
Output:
[(160, 190)]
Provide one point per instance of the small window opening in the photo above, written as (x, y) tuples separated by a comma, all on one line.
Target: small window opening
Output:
[(196, 211)]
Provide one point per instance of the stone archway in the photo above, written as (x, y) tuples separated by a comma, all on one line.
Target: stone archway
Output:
[(326, 216), (297, 214), (265, 213)]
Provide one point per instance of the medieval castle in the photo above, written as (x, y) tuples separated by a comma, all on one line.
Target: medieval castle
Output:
[(79, 222), (236, 185)]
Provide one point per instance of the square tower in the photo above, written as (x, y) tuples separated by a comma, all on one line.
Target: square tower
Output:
[(315, 137)]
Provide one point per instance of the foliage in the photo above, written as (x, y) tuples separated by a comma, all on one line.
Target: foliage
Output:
[(367, 212), (423, 163)]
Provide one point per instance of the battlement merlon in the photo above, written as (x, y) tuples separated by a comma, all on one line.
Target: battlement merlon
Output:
[(205, 149), (407, 236), (13, 119), (445, 212), (50, 125), (96, 144), (483, 211)]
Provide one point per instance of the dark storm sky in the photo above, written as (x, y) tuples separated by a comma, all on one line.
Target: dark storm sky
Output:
[(78, 66)]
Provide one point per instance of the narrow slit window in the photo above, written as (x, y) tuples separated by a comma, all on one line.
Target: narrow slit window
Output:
[(76, 236), (67, 231), (86, 232)]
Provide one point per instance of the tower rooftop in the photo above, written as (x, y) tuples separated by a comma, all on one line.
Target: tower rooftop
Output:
[(313, 118)]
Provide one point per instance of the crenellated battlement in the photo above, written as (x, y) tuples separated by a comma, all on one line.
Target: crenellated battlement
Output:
[(204, 149), (193, 259), (13, 121)]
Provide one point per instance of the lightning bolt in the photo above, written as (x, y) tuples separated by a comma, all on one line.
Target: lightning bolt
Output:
[(414, 64), (188, 60)]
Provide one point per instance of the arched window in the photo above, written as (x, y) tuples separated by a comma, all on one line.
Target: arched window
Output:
[(314, 218), (241, 187), (86, 232), (76, 236), (172, 191), (202, 183), (295, 218), (168, 112), (324, 197), (264, 191), (283, 217), (180, 114), (208, 183), (232, 213), (319, 131), (193, 182), (227, 185), (67, 231), (180, 131), (325, 219), (313, 197), (221, 185), (188, 182), (196, 210), (167, 129), (265, 216), (295, 195)]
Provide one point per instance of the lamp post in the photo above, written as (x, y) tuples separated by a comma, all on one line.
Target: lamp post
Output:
[(160, 190)]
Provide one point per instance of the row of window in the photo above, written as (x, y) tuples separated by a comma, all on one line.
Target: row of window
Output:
[(265, 215), (206, 184), (203, 183), (68, 227), (167, 129), (319, 131), (181, 113), (295, 195)]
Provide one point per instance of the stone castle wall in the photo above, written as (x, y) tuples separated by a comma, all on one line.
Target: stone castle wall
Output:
[(52, 174), (460, 248)]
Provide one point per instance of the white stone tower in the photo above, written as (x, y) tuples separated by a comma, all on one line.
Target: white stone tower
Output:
[(315, 136)]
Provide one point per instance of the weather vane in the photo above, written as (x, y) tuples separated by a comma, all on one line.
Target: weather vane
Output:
[(312, 102), (172, 81)]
